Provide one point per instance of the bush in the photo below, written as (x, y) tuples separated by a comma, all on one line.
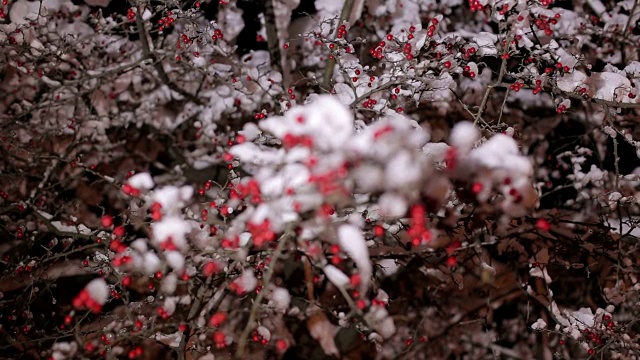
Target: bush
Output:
[(354, 179)]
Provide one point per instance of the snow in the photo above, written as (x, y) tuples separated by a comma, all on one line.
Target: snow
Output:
[(140, 245), (501, 151), (571, 81), (152, 262), (573, 323), (100, 257), (175, 259), (381, 321), (486, 43), (368, 177), (539, 325), (329, 8), (169, 283), (541, 273), (169, 305), (77, 229), (247, 282), (392, 205), (171, 228), (388, 267), (584, 316), (173, 198), (64, 350), (463, 136), (264, 332), (325, 120), (436, 151), (250, 131), (256, 155), (98, 290), (172, 340), (353, 243), (632, 69), (280, 299), (336, 276), (344, 93), (401, 172), (141, 181), (23, 11), (606, 86)]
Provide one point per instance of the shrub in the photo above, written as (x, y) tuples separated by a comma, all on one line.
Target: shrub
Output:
[(374, 179)]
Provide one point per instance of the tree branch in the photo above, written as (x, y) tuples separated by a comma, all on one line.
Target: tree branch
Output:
[(331, 61), (273, 42), (258, 300), (148, 54)]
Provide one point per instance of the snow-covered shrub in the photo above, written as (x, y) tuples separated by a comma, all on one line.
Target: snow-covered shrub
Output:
[(387, 172)]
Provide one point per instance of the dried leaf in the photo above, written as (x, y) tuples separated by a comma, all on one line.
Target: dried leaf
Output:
[(323, 331)]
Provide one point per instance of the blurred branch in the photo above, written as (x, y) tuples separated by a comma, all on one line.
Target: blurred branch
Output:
[(331, 61), (557, 91), (487, 93), (626, 29), (273, 42), (148, 54), (258, 300), (195, 308)]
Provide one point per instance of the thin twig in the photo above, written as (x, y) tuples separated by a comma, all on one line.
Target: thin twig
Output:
[(556, 90), (242, 342), (273, 41), (354, 308), (483, 104), (626, 28), (331, 62), (192, 314), (628, 24), (504, 103), (61, 233), (382, 87), (148, 54)]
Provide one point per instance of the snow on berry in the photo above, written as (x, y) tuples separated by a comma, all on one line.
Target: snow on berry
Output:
[(326, 121), (353, 243), (94, 295), (280, 299), (141, 181), (244, 283), (172, 199), (463, 136), (170, 233)]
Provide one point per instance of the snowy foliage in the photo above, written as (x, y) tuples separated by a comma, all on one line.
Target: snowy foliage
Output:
[(385, 172)]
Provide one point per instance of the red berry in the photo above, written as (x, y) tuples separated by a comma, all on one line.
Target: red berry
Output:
[(217, 319), (106, 221), (543, 225), (209, 269), (119, 231), (281, 345)]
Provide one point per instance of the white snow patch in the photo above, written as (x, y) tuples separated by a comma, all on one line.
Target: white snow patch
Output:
[(352, 241), (98, 290), (141, 181), (336, 276)]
